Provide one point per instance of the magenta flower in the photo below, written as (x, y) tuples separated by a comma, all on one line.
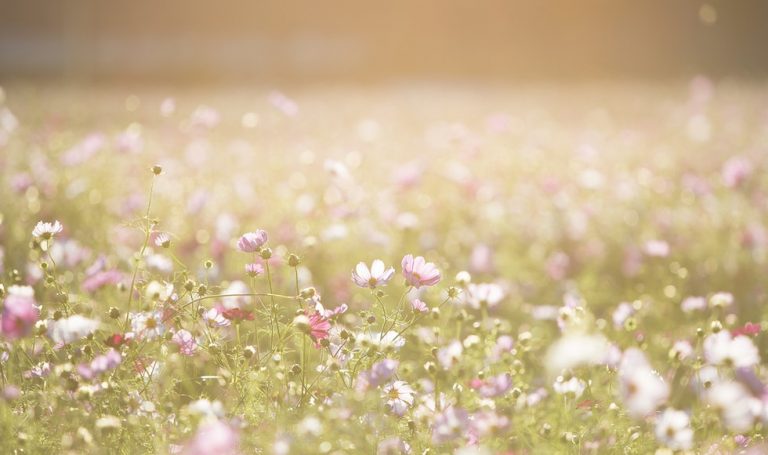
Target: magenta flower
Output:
[(252, 242), (418, 272), (318, 327), (19, 312), (377, 275)]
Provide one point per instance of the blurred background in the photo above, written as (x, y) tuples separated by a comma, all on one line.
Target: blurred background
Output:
[(191, 41)]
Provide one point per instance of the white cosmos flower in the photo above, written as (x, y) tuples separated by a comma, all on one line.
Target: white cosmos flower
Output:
[(642, 389), (158, 291), (149, 325), (722, 349), (450, 355), (46, 230), (673, 430), (399, 396), (574, 350), (483, 295), (377, 275), (574, 387), (71, 329), (737, 407)]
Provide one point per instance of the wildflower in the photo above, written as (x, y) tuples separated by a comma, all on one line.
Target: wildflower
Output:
[(393, 446), (486, 295), (656, 248), (399, 396), (19, 312), (116, 340), (252, 242), (206, 408), (418, 272), (449, 425), (46, 230), (574, 386), (100, 279), (147, 326), (622, 313), (73, 328), (377, 275), (162, 239), (237, 314), (253, 269), (492, 387), (691, 304), (100, 364), (313, 324), (379, 373), (722, 348), (213, 436), (749, 329), (418, 306), (721, 300), (185, 341), (574, 350), (449, 356), (641, 387), (737, 407), (214, 318), (158, 291)]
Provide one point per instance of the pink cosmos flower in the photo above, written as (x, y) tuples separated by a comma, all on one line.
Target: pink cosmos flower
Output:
[(251, 242), (19, 312), (185, 341), (100, 364), (254, 269), (418, 306), (318, 327), (377, 275), (418, 272), (213, 436)]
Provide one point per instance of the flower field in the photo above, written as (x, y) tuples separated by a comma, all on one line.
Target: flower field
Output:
[(385, 269)]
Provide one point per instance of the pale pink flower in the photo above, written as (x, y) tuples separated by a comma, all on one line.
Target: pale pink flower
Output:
[(185, 341), (656, 248), (673, 430), (251, 242), (19, 312), (418, 272), (254, 269), (377, 275), (418, 306), (213, 436)]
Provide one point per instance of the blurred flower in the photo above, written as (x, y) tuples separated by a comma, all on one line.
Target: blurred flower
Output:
[(483, 295), (376, 276), (673, 430), (736, 406), (73, 328), (736, 170), (656, 248), (722, 348), (185, 341), (20, 313), (418, 306), (691, 304), (213, 436), (449, 425), (45, 230), (418, 272), (574, 386), (492, 387), (399, 396), (642, 389), (251, 242)]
